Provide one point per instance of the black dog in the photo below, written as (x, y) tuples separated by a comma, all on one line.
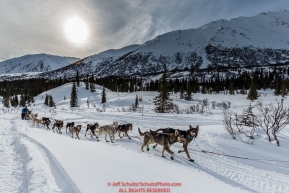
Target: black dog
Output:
[(46, 122), (92, 128), (68, 125), (44, 119)]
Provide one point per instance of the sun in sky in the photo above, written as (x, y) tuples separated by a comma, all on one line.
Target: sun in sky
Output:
[(76, 30)]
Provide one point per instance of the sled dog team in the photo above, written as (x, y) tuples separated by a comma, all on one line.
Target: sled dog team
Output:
[(164, 137)]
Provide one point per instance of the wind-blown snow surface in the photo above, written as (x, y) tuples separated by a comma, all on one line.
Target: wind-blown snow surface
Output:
[(34, 159), (35, 63)]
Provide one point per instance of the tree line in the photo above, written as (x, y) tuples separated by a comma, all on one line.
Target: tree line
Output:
[(21, 92)]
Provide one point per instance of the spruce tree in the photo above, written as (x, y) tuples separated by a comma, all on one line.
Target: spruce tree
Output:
[(92, 84), (51, 102), (16, 101), (73, 98), (45, 100), (243, 90), (131, 86), (87, 83), (278, 86), (284, 90), (136, 101), (249, 119), (103, 96), (253, 93), (231, 89), (189, 91), (22, 100), (204, 90), (6, 102), (182, 91), (163, 103), (77, 78), (87, 102)]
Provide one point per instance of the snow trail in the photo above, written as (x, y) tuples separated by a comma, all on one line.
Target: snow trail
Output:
[(10, 162), (27, 166)]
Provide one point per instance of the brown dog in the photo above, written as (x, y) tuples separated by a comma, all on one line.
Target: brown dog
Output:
[(76, 130), (58, 124), (189, 135), (124, 128), (163, 139), (36, 121)]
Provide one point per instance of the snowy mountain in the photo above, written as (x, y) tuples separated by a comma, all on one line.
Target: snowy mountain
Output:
[(242, 41), (93, 64), (35, 63)]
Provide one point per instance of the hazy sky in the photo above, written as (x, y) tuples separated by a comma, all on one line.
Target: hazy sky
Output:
[(36, 26)]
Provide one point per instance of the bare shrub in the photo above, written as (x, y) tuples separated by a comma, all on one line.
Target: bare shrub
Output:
[(227, 121), (193, 108), (176, 108), (188, 110), (205, 102), (198, 108), (213, 104), (274, 118), (236, 122), (141, 110)]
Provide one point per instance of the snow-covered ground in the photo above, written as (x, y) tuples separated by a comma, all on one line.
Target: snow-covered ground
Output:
[(33, 159)]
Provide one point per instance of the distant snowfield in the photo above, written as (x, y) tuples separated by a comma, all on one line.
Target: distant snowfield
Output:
[(33, 159)]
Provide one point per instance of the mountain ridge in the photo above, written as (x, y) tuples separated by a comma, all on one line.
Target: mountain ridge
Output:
[(35, 63), (259, 40)]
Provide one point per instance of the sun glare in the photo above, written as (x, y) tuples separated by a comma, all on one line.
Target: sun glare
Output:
[(76, 30)]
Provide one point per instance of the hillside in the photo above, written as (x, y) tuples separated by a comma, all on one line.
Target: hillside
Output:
[(244, 41), (34, 63)]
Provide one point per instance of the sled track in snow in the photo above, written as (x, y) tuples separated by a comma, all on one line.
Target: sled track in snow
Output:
[(10, 163), (255, 179), (34, 168)]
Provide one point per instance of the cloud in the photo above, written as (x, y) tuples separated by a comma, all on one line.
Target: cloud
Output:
[(33, 26)]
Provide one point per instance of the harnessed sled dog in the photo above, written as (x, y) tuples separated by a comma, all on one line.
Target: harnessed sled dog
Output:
[(189, 135), (46, 122), (58, 124), (32, 115), (76, 130), (68, 125), (108, 130), (36, 121), (124, 128), (163, 139), (92, 128)]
